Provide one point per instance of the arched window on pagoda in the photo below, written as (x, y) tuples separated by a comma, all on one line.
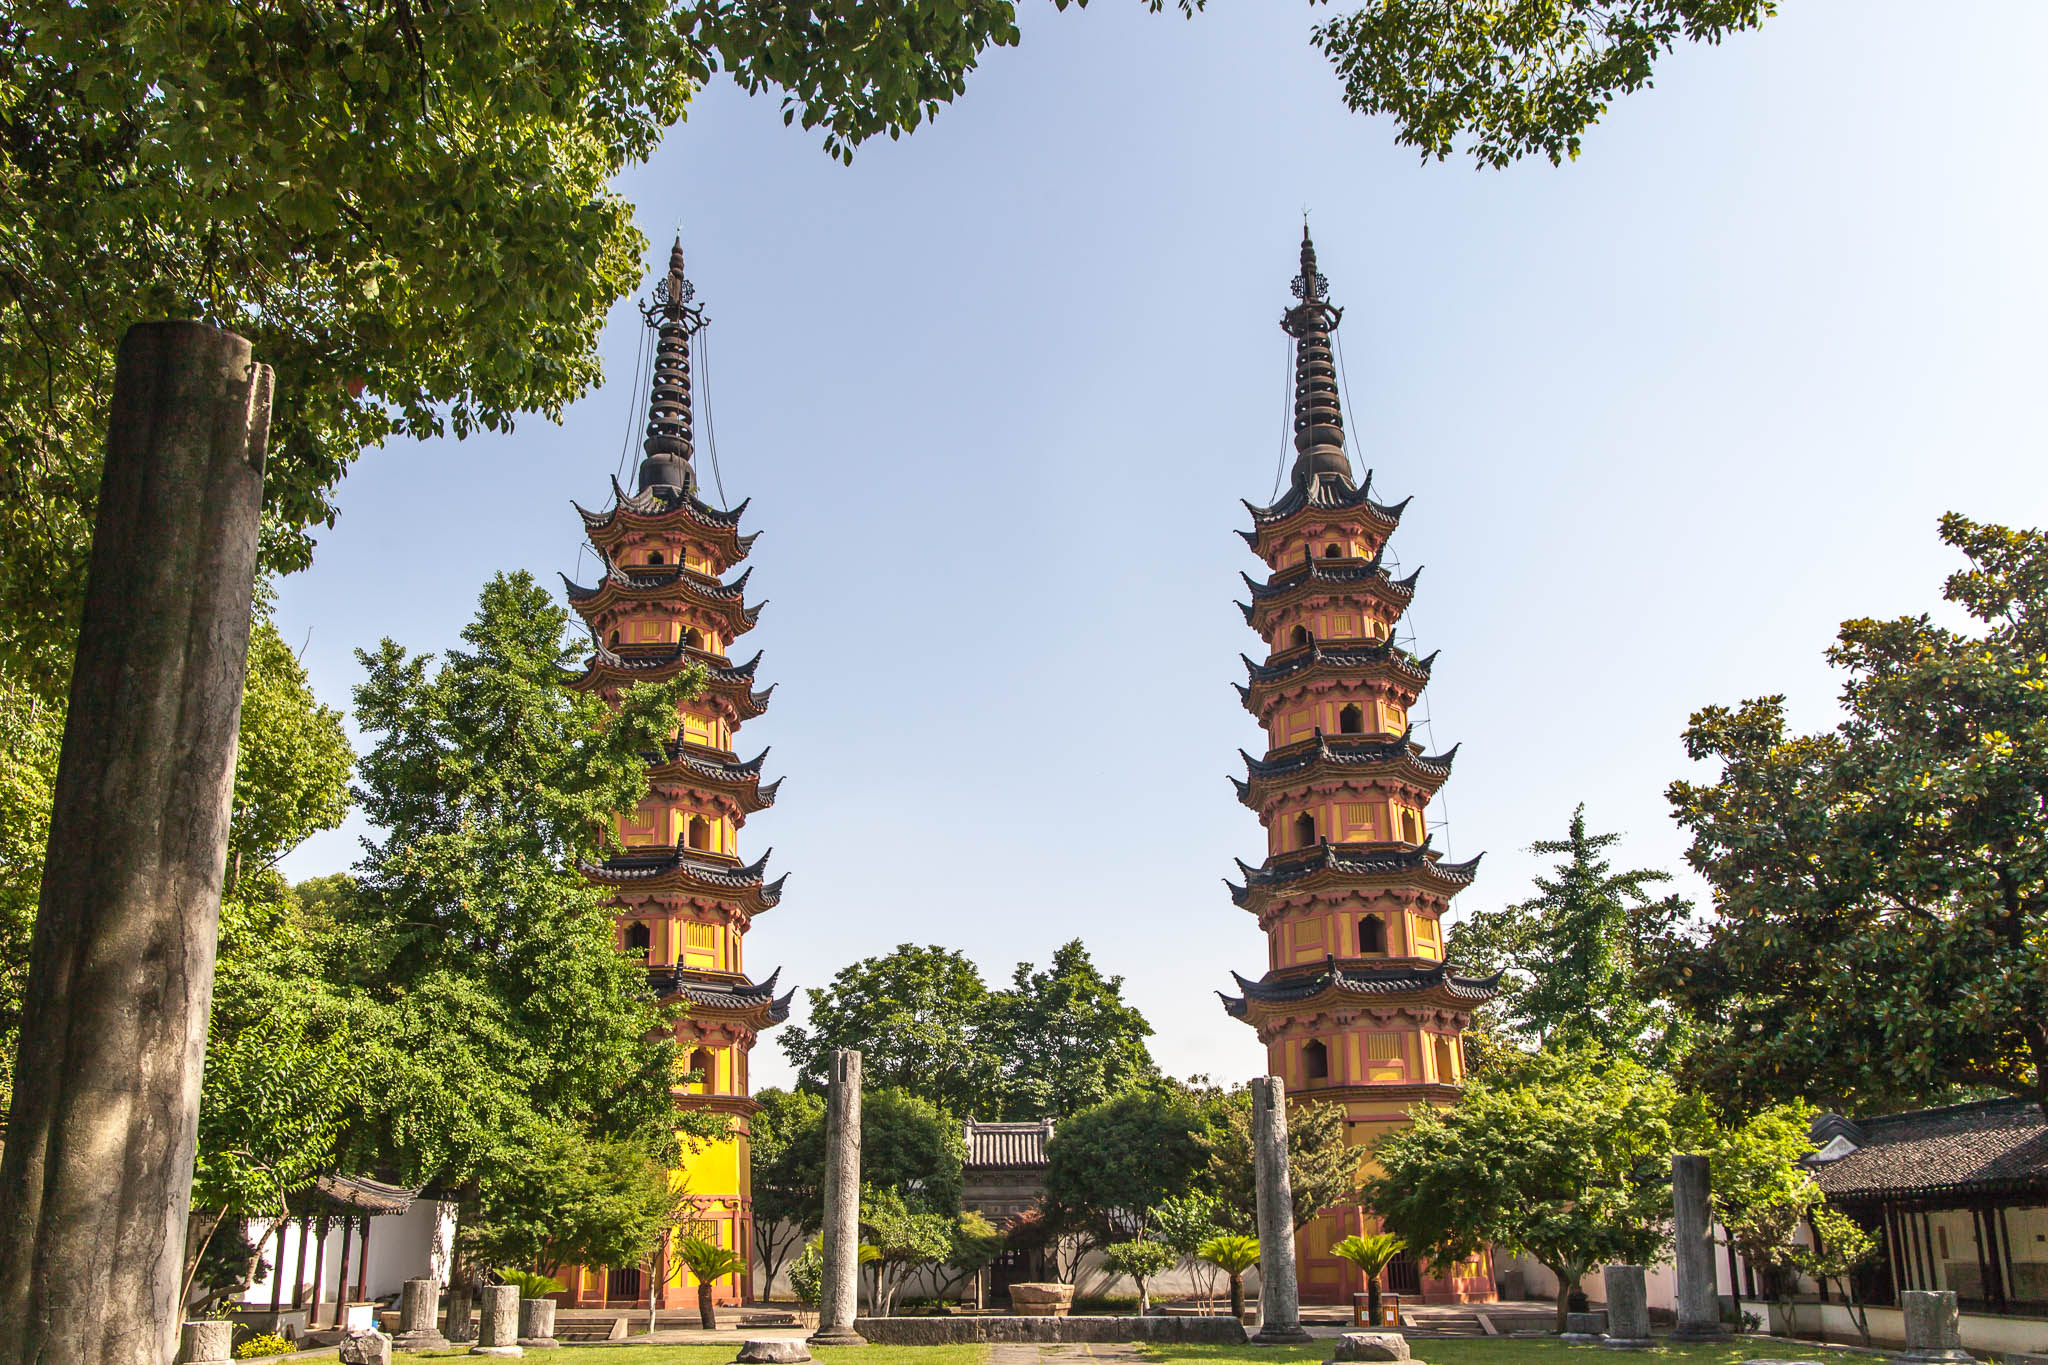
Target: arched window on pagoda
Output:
[(1372, 934), (693, 639), (1304, 830), (1446, 1061), (1351, 721), (1333, 552), (1295, 638), (615, 639), (1411, 826), (1315, 1060), (703, 1062), (654, 557), (639, 938), (700, 833)]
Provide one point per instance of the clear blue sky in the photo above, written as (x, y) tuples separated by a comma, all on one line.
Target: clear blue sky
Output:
[(1669, 414)]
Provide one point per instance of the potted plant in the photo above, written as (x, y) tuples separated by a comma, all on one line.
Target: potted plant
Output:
[(1371, 1254)]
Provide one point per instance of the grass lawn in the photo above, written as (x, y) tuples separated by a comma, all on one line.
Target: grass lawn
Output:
[(1506, 1351), (1452, 1351), (716, 1353)]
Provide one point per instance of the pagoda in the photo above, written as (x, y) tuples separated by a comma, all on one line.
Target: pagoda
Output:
[(681, 893), (1358, 1006)]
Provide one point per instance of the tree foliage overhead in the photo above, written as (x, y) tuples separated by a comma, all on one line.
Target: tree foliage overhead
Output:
[(1575, 956), (1505, 79), (1109, 1166), (1883, 886)]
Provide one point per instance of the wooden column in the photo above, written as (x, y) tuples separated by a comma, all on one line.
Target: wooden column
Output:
[(299, 1275), (277, 1272), (319, 1273), (348, 1228), (363, 1264), (97, 1174)]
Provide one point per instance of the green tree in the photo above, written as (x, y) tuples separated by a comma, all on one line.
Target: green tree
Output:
[(788, 1199), (1108, 1166), (1064, 1038), (1574, 956), (1143, 1261), (1233, 1253), (1322, 1169), (1565, 1160), (1512, 80), (1882, 887), (908, 1236), (573, 1200), (517, 1028), (292, 765), (915, 1014), (1761, 1192), (31, 734), (1184, 1223), (1840, 1249), (907, 1144)]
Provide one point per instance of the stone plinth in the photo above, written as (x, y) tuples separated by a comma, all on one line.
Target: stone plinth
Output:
[(1934, 1330), (773, 1351), (498, 1328), (1583, 1328), (1692, 1239), (206, 1343), (537, 1323), (1279, 1295), (1628, 1308), (1041, 1300), (419, 1311), (1371, 1346)]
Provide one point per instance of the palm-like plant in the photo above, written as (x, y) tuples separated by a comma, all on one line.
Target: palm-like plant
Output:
[(1233, 1254), (532, 1284), (1370, 1254), (708, 1262)]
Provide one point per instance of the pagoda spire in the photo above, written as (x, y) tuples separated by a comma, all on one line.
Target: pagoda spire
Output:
[(1318, 415), (670, 441)]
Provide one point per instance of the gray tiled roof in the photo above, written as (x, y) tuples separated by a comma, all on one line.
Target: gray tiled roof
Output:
[(1986, 1146), (1008, 1145)]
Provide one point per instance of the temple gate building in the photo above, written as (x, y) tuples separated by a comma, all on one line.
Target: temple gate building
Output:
[(681, 892), (1358, 1006)]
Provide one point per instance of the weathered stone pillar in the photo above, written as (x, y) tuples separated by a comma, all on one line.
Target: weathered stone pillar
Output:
[(537, 1323), (839, 1302), (97, 1174), (1279, 1294), (211, 1343), (1934, 1329), (1628, 1308), (459, 1328), (498, 1332), (1692, 1236), (419, 1305)]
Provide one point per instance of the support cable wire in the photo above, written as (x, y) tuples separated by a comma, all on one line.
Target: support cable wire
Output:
[(702, 396), (1286, 412), (641, 379)]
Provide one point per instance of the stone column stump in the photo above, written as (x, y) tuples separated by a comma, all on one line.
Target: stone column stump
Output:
[(537, 1323), (419, 1307), (839, 1300), (1934, 1329), (499, 1330), (206, 1343), (1628, 1308), (1279, 1294), (1692, 1236)]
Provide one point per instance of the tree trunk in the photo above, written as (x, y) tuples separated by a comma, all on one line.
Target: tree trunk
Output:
[(1237, 1295), (1566, 1283), (1372, 1300), (707, 1311), (97, 1172), (1734, 1283), (1144, 1300)]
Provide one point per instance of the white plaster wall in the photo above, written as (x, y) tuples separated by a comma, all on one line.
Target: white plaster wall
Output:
[(401, 1248), (1888, 1326)]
